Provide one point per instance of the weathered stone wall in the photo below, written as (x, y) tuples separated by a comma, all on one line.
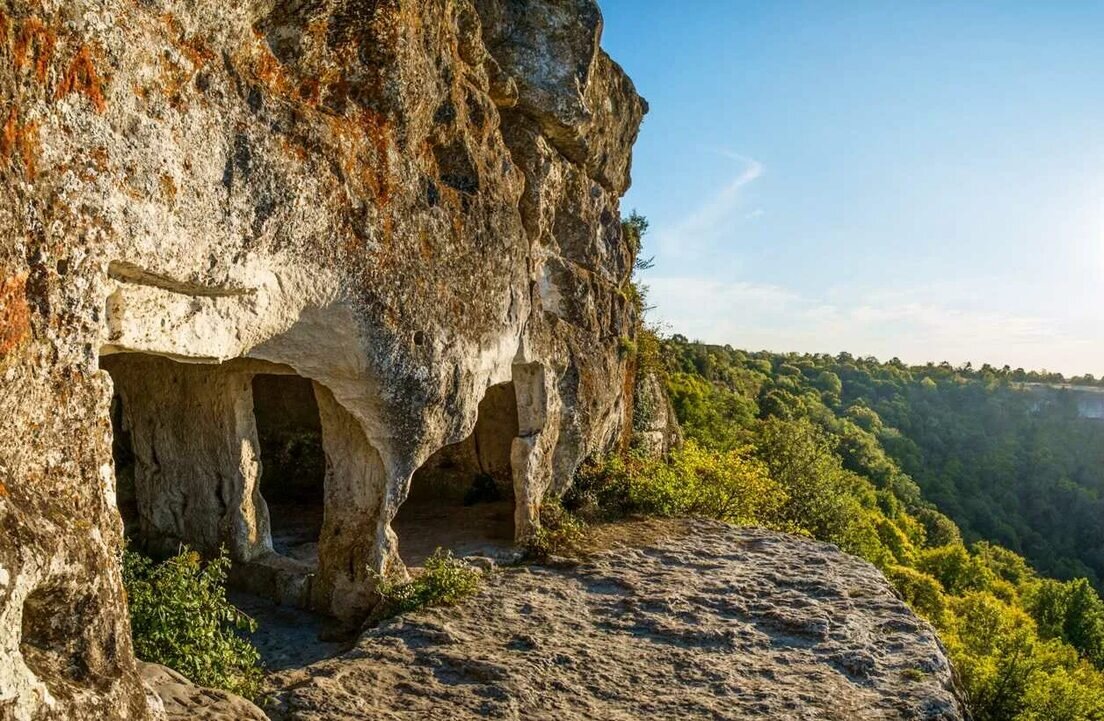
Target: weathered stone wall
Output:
[(405, 201), (655, 426)]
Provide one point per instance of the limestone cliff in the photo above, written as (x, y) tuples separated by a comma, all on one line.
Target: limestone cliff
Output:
[(401, 203)]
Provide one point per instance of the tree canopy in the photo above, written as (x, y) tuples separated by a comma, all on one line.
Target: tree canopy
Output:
[(945, 478)]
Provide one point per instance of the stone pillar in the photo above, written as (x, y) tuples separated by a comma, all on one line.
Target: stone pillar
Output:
[(197, 469), (351, 551), (531, 451)]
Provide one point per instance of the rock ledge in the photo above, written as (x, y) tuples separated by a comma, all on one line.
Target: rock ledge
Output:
[(686, 619)]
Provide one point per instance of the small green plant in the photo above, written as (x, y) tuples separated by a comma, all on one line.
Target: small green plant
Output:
[(180, 617), (626, 346), (914, 674), (444, 581), (560, 533)]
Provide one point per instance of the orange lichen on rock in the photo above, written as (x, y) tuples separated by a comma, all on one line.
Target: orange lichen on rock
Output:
[(34, 47), (81, 77), (268, 69), (10, 134), (15, 315), (28, 148), (196, 51), (21, 139), (378, 132)]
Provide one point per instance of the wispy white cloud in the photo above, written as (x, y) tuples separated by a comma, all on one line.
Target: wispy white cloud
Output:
[(903, 324), (711, 217)]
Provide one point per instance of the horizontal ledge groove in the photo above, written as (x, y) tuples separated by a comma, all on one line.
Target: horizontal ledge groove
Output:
[(130, 273)]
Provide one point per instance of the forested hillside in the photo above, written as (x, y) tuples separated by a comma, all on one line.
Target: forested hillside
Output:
[(1007, 463), (840, 448)]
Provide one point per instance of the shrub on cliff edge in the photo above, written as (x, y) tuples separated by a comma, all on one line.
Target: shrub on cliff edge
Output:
[(180, 618)]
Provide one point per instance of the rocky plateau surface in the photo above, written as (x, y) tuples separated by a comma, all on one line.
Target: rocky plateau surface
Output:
[(677, 620)]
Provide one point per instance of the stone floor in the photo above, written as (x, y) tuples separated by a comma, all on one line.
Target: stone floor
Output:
[(287, 637), (483, 529), (295, 531), (671, 620)]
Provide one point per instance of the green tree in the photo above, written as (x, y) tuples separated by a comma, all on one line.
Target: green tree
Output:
[(800, 457)]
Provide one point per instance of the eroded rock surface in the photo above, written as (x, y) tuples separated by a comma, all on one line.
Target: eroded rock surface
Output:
[(175, 698), (656, 428), (690, 620), (407, 202)]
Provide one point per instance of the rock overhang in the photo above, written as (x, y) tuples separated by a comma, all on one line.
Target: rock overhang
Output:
[(378, 196)]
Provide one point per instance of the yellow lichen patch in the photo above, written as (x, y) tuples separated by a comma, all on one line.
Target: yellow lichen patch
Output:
[(168, 187), (81, 77), (15, 315), (34, 47)]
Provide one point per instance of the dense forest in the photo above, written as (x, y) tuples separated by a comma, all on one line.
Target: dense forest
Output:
[(883, 459), (1010, 463)]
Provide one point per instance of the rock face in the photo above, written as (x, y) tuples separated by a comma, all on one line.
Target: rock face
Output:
[(406, 202), (175, 698), (689, 620), (656, 428)]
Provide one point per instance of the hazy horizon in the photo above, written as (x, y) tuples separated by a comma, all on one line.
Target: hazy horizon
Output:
[(913, 180)]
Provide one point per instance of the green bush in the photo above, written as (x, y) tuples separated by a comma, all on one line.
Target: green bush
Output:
[(921, 591), (801, 458), (728, 485), (444, 581), (560, 533), (180, 618)]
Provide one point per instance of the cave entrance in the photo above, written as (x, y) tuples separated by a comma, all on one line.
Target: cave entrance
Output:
[(249, 456), (219, 455), (293, 463), (462, 498), (122, 453)]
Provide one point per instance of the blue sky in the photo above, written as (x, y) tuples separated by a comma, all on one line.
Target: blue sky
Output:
[(913, 179)]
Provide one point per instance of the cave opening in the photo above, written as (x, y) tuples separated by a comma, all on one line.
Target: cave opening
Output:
[(462, 497), (293, 463), (214, 455), (122, 454)]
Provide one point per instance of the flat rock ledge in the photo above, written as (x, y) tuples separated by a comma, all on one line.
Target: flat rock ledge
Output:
[(686, 620), (174, 698)]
